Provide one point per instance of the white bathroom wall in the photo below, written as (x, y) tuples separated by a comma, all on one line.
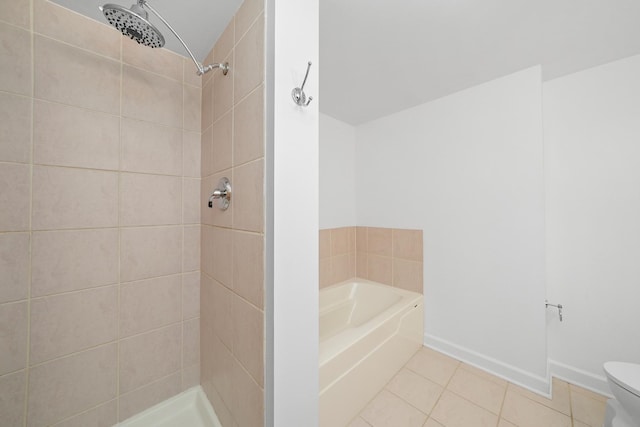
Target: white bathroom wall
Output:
[(468, 170), (592, 169), (292, 215), (337, 173)]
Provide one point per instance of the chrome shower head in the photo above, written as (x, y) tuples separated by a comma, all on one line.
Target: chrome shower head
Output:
[(133, 23)]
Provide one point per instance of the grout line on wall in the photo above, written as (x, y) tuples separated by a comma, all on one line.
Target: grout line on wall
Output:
[(261, 387), (119, 310), (249, 232), (64, 420), (115, 341), (182, 257), (93, 110), (12, 373), (83, 49), (255, 20), (258, 159), (19, 301), (164, 377), (107, 170), (222, 116), (73, 291), (230, 228), (94, 21), (30, 275), (20, 95), (251, 92), (75, 353), (30, 29), (105, 228), (155, 329), (232, 110), (155, 73)]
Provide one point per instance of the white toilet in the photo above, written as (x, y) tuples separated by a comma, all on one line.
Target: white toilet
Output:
[(624, 380)]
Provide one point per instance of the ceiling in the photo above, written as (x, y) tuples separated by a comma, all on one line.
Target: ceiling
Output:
[(198, 22), (378, 57)]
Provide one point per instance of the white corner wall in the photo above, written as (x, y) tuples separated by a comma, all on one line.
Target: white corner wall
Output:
[(337, 173), (592, 167), (291, 378), (468, 170)]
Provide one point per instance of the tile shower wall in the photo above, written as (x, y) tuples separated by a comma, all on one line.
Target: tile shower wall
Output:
[(232, 298), (386, 255), (99, 220)]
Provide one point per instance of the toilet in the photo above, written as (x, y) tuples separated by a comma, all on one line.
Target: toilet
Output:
[(624, 380)]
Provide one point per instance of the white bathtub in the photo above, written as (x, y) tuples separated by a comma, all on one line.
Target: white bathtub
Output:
[(368, 331)]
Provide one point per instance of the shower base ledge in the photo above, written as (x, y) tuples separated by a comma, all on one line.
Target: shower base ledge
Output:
[(189, 408)]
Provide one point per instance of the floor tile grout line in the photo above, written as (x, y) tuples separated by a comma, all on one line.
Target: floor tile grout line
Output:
[(469, 400), (465, 398), (384, 388), (504, 398), (571, 406), (444, 387), (403, 399), (460, 365)]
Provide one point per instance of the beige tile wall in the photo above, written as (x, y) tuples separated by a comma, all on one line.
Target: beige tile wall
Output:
[(386, 255), (337, 255), (100, 220), (232, 299)]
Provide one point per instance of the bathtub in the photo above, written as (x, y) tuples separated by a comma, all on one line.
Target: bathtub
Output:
[(368, 331)]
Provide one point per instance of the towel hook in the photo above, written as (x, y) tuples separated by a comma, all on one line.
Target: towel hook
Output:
[(298, 94), (558, 306)]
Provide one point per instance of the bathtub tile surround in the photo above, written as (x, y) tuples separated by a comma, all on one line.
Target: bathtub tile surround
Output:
[(435, 390), (385, 255), (337, 255), (99, 303), (232, 287)]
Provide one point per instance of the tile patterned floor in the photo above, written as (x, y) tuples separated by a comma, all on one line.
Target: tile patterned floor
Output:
[(434, 390)]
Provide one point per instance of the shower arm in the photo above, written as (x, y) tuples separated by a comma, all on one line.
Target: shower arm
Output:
[(201, 69)]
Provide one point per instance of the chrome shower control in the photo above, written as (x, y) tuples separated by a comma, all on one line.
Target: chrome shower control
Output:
[(222, 194)]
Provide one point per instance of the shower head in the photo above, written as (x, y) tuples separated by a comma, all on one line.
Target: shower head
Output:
[(133, 23)]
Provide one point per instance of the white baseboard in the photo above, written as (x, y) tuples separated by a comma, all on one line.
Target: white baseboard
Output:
[(580, 378), (500, 369), (537, 384)]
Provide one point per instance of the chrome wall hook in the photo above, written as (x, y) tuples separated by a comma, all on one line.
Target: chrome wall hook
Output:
[(558, 306), (298, 94), (222, 194)]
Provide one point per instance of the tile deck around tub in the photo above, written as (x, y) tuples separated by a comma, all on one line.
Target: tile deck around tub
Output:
[(434, 390)]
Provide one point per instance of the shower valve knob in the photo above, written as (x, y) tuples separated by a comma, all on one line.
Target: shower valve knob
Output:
[(222, 194)]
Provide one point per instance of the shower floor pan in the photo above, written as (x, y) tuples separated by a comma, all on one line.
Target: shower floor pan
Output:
[(190, 408)]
